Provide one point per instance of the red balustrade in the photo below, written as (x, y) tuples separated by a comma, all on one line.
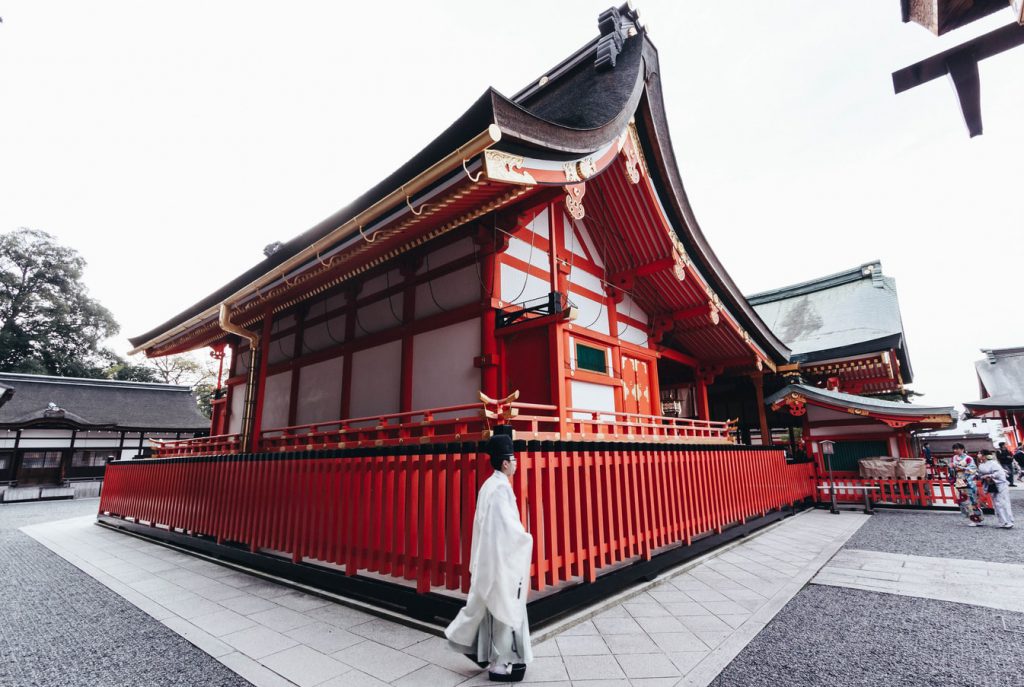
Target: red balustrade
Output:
[(925, 493), (410, 516)]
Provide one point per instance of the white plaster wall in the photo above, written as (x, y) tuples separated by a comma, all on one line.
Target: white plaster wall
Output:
[(318, 337), (531, 254), (450, 291), (276, 397), (237, 403), (592, 315), (376, 379), (446, 254), (632, 334), (281, 349), (517, 287), (381, 282), (592, 396), (586, 280), (584, 233), (378, 316), (539, 225), (629, 308), (443, 373), (319, 398)]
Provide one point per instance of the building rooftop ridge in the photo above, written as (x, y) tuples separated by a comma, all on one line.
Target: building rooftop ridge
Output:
[(868, 270), (90, 381)]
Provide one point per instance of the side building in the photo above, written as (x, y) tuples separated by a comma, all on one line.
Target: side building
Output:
[(1001, 387), (847, 375), (58, 433)]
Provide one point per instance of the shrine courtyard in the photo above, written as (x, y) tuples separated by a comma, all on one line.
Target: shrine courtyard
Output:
[(816, 599)]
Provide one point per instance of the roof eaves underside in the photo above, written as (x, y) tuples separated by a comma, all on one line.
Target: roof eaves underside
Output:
[(1008, 402), (652, 127)]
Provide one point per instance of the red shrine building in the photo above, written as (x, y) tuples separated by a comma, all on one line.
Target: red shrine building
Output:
[(849, 365), (536, 268)]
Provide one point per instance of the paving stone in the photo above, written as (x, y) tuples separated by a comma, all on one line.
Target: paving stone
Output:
[(382, 662), (683, 640), (304, 666), (281, 619), (647, 665), (631, 644), (581, 645), (389, 633), (257, 642), (300, 601), (222, 622), (646, 610), (585, 628), (592, 667), (247, 603), (616, 626), (324, 637), (342, 616), (430, 676), (668, 624), (354, 678)]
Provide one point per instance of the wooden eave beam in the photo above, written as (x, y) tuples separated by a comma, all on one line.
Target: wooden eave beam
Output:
[(961, 63), (678, 357), (628, 276)]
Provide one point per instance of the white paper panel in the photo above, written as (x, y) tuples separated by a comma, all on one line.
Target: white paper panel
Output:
[(276, 398), (319, 336), (539, 225), (590, 396), (517, 287), (237, 404), (632, 334), (592, 315), (529, 254), (446, 254), (281, 349), (378, 316), (448, 292), (443, 370), (376, 376), (319, 398)]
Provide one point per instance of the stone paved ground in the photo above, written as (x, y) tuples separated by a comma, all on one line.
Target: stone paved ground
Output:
[(681, 630), (60, 627), (896, 626)]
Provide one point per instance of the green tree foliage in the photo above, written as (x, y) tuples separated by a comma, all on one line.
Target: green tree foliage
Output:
[(48, 322)]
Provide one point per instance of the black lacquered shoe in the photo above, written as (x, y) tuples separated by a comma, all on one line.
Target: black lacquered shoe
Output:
[(517, 674), (472, 657)]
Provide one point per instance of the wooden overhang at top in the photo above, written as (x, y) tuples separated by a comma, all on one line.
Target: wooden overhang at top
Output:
[(871, 373), (570, 129), (960, 62)]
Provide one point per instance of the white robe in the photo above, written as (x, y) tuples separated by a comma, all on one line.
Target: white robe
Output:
[(499, 562), (1001, 500)]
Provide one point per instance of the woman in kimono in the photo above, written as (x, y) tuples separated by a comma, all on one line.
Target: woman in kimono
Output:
[(492, 628), (993, 475), (964, 472)]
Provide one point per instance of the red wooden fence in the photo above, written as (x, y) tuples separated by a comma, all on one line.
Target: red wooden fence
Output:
[(904, 492), (410, 516)]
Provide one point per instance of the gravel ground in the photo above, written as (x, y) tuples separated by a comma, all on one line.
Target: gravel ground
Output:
[(59, 627), (945, 535), (829, 636)]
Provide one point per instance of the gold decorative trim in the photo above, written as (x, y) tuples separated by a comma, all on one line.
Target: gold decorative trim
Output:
[(501, 166), (571, 173), (574, 200)]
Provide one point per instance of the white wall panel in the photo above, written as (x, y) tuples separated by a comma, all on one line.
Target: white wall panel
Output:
[(592, 315), (630, 309), (381, 282), (276, 398), (443, 373), (243, 361), (531, 254), (237, 404), (281, 349), (449, 291), (324, 335), (590, 396), (539, 225), (517, 286), (584, 234), (586, 280), (632, 334), (379, 315), (376, 379), (319, 398), (446, 254)]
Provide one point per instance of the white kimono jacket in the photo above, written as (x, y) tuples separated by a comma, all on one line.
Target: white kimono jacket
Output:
[(499, 563)]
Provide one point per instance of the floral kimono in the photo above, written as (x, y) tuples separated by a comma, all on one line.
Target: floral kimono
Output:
[(966, 473)]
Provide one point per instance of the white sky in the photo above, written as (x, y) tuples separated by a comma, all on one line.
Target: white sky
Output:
[(169, 142)]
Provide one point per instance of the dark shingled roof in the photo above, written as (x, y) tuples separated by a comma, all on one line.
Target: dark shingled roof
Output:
[(849, 313), (96, 403), (575, 111), (1001, 374), (872, 405), (5, 393)]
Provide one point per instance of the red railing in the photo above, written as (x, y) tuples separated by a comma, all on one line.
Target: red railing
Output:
[(410, 516), (468, 422), (926, 493)]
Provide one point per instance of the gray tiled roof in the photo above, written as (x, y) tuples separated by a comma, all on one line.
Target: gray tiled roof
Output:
[(848, 313), (861, 402), (1001, 374), (100, 403)]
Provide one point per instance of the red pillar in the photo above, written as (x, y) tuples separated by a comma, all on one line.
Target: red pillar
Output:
[(488, 324), (703, 410), (762, 415)]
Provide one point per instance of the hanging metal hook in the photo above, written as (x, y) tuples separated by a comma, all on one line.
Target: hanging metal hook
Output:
[(368, 240), (409, 203), (472, 178)]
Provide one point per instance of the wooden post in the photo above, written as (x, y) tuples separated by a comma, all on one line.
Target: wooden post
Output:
[(488, 320), (703, 409), (260, 382), (762, 417)]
